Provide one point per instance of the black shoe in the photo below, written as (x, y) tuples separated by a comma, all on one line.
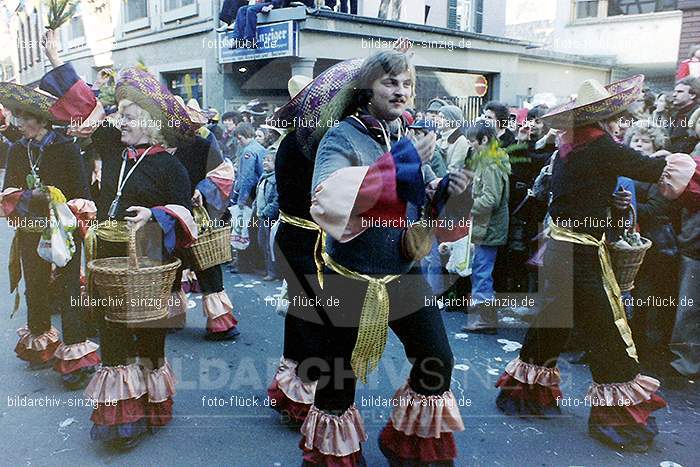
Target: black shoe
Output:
[(127, 444), (78, 379), (231, 334)]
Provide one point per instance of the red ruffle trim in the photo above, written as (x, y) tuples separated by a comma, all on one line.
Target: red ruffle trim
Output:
[(318, 458), (415, 448), (543, 395), (159, 413), (626, 415), (124, 411), (36, 356), (222, 323), (283, 404), (69, 366), (133, 410)]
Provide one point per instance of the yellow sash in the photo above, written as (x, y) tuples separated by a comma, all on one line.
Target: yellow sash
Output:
[(374, 319), (320, 240), (612, 289)]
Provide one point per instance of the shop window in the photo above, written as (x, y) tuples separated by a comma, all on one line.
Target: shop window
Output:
[(187, 84)]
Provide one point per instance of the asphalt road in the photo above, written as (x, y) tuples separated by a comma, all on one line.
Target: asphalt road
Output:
[(220, 416)]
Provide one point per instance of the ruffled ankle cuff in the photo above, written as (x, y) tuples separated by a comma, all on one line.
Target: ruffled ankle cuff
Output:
[(398, 447), (159, 413), (37, 349), (623, 410), (336, 436), (160, 383), (528, 389), (73, 357), (116, 383), (222, 323), (216, 304), (292, 396), (425, 416)]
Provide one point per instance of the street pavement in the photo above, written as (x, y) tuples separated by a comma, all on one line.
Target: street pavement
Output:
[(220, 417)]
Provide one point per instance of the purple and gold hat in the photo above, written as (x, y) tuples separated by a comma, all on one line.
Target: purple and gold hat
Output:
[(24, 99), (595, 102), (321, 101), (144, 89)]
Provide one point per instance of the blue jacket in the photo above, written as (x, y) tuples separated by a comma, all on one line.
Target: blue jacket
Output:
[(250, 168)]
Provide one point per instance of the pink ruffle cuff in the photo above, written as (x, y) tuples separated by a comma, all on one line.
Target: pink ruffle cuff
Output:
[(160, 383), (529, 373), (216, 304), (676, 176), (425, 416), (116, 383), (70, 358), (291, 395), (37, 349), (333, 435), (634, 392)]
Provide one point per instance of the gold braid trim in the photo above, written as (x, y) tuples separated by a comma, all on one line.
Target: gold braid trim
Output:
[(320, 240), (612, 289), (374, 319)]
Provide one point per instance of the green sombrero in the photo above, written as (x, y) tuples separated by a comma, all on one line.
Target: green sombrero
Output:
[(23, 99)]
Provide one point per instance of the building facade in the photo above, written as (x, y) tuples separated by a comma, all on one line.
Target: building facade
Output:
[(459, 44)]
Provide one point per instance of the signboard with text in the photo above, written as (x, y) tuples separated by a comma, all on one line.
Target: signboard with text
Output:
[(274, 40)]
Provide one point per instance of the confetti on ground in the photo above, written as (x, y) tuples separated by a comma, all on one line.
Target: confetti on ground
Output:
[(191, 304), (66, 422), (461, 367), (256, 282), (238, 285), (498, 359), (493, 371), (249, 286), (510, 346), (462, 336)]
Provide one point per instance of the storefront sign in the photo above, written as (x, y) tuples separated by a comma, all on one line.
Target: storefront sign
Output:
[(274, 40)]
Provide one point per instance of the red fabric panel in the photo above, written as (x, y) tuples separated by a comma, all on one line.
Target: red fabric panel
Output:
[(76, 105), (69, 366), (160, 413), (317, 458), (283, 404), (626, 415), (36, 356), (125, 411), (415, 448), (378, 198), (543, 395), (222, 323)]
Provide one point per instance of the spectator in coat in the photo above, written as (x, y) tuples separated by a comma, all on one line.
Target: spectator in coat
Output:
[(489, 221), (498, 114), (250, 165), (453, 144)]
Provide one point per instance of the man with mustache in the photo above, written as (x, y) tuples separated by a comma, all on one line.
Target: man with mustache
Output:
[(364, 174)]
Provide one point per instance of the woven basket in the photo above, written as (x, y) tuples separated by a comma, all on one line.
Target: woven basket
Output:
[(138, 288), (213, 245), (626, 262)]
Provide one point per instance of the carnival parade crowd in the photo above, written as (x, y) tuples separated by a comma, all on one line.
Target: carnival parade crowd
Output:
[(384, 209)]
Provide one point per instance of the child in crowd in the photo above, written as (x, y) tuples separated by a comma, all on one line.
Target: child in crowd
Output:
[(267, 210)]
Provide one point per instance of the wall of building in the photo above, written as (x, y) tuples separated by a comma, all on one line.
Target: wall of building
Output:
[(646, 41), (537, 76)]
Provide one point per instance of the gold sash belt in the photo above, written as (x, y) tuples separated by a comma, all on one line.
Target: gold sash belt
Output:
[(612, 289), (320, 240), (374, 319)]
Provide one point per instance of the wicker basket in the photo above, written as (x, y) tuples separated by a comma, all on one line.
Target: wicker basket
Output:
[(213, 245), (626, 262), (138, 289)]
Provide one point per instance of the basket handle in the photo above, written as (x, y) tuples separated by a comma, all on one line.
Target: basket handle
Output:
[(132, 261), (201, 216)]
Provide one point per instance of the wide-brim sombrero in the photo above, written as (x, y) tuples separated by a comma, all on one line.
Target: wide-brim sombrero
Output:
[(595, 103), (318, 106), (23, 99), (144, 89)]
